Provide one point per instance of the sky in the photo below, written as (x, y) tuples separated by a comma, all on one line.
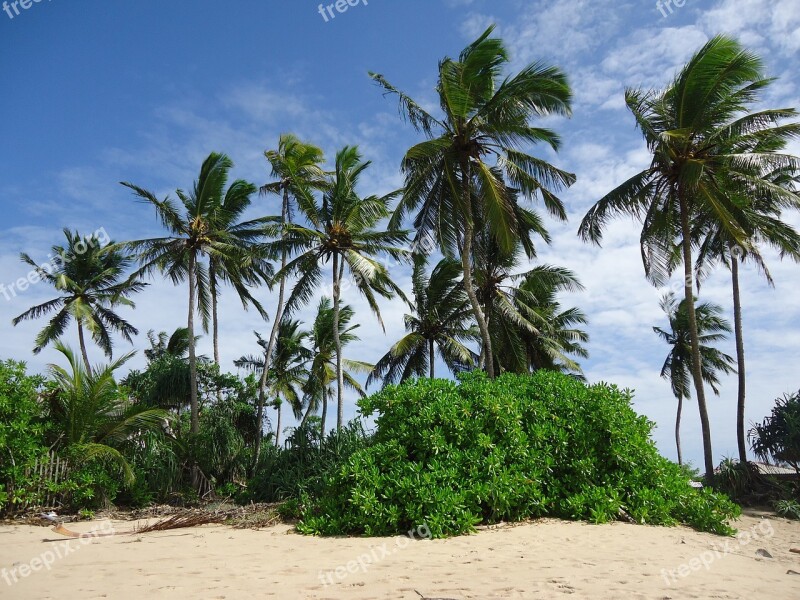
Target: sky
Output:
[(98, 93)]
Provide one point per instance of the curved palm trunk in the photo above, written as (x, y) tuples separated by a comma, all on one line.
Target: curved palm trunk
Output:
[(278, 428), (740, 366), (688, 289), (84, 354), (195, 427), (212, 278), (432, 358), (466, 266), (273, 336), (337, 279), (678, 429)]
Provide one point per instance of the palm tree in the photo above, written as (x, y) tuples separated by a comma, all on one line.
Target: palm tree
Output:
[(528, 328), (88, 278), (325, 360), (712, 328), (287, 371), (91, 415), (764, 226), (194, 234), (243, 263), (448, 178), (704, 145), (298, 169), (442, 319), (343, 233), (164, 344)]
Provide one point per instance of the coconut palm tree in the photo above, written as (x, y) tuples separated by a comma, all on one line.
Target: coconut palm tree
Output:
[(288, 369), (529, 330), (712, 328), (325, 360), (88, 278), (244, 263), (343, 233), (704, 143), (91, 415), (194, 233), (765, 228), (472, 161), (297, 166), (442, 319)]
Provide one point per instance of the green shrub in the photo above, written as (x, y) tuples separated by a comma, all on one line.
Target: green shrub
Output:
[(451, 456), (778, 437), (22, 435)]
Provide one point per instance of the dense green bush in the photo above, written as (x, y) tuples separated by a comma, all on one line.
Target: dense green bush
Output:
[(22, 434), (454, 455), (299, 469), (778, 437)]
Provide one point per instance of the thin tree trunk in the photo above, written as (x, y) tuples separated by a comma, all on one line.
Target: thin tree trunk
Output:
[(278, 427), (306, 414), (276, 323), (678, 429), (688, 289), (212, 278), (84, 354), (324, 413), (740, 366), (338, 342), (466, 265), (195, 427), (432, 357)]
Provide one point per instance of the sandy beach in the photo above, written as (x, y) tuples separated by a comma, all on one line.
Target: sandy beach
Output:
[(545, 559)]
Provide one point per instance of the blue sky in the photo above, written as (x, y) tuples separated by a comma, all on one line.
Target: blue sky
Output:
[(142, 91)]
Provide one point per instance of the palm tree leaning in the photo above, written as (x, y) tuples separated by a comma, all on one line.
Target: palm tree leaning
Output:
[(344, 232), (191, 226), (325, 359), (450, 182), (442, 319), (91, 415), (297, 166), (762, 214), (88, 278), (704, 144), (712, 328)]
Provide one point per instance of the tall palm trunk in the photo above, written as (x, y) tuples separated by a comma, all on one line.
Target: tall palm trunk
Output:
[(324, 412), (740, 366), (431, 357), (195, 427), (466, 266), (678, 429), (276, 323), (697, 373), (278, 427), (212, 278), (82, 342), (337, 279)]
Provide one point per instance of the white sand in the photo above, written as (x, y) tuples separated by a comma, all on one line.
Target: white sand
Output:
[(546, 559)]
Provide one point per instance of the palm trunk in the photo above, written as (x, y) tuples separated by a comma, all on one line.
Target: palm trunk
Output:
[(432, 358), (740, 366), (306, 414), (278, 428), (324, 413), (338, 342), (688, 289), (466, 265), (195, 427), (84, 354), (678, 429), (276, 323), (212, 278)]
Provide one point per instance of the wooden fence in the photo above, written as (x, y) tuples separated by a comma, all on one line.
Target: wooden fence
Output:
[(51, 469)]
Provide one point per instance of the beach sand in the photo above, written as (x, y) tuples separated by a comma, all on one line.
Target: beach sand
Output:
[(544, 559)]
